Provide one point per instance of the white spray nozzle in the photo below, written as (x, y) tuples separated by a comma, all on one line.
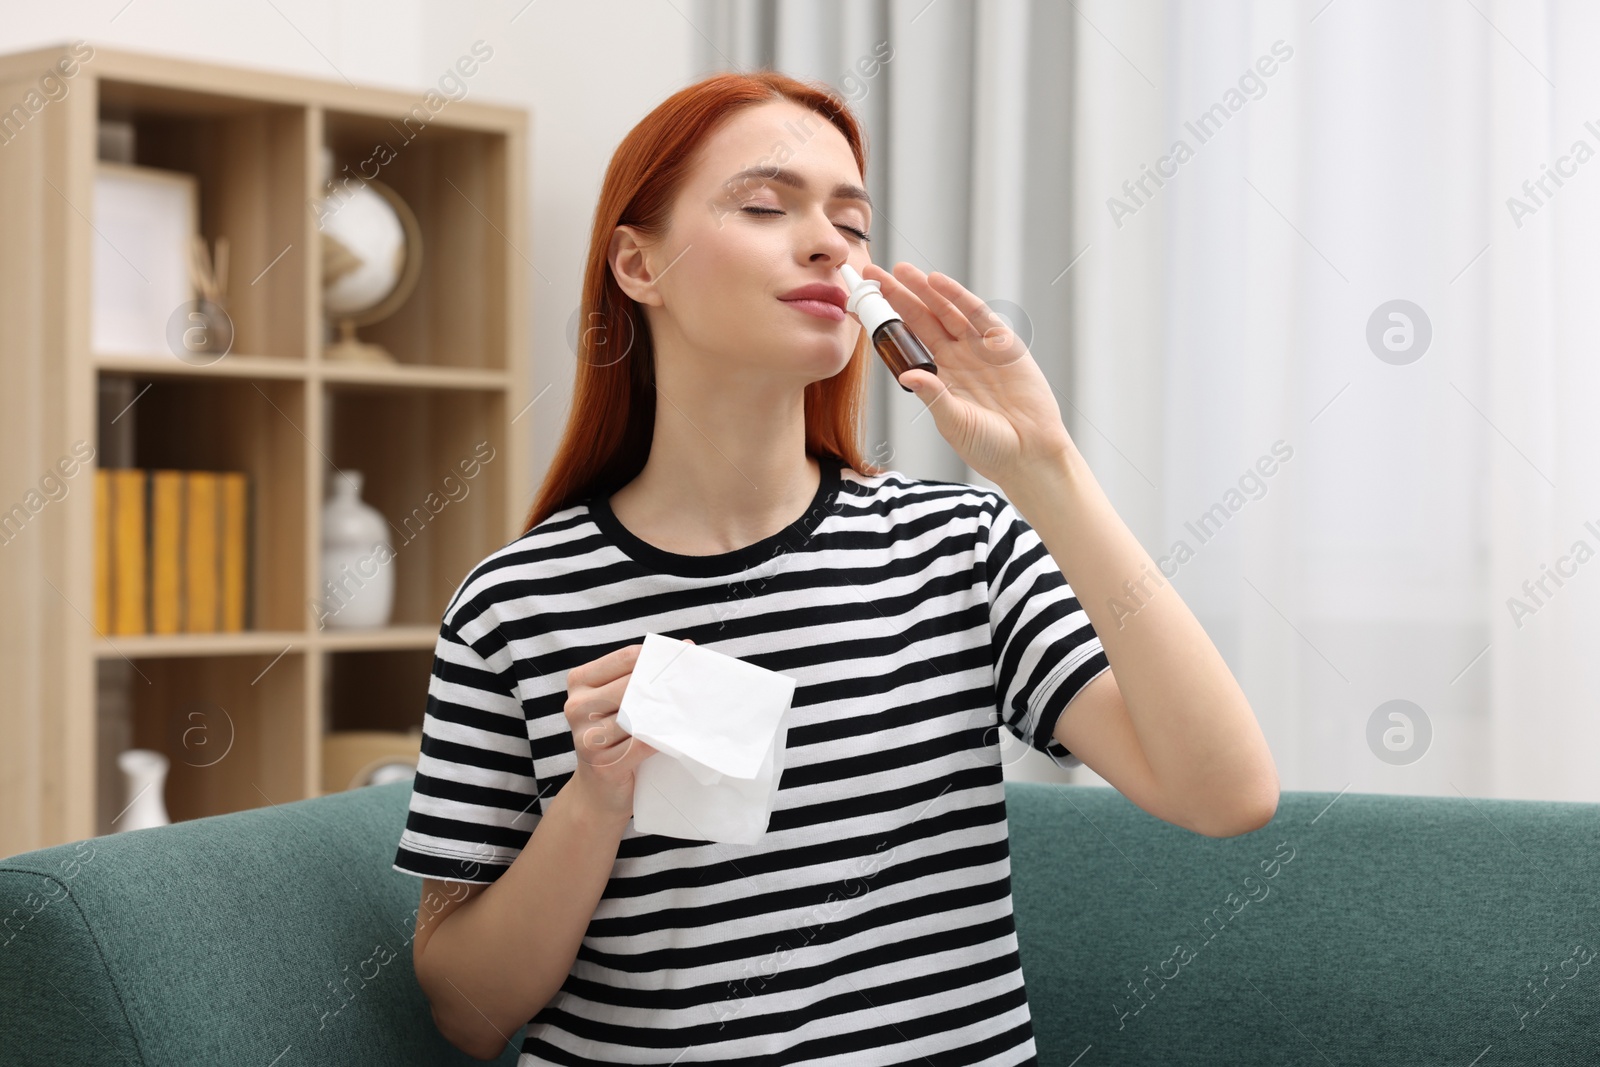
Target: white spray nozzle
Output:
[(866, 300)]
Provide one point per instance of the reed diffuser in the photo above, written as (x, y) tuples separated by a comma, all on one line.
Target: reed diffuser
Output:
[(204, 333)]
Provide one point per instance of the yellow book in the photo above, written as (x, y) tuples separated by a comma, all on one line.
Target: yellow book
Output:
[(235, 548), (166, 552), (102, 550), (128, 606), (200, 553)]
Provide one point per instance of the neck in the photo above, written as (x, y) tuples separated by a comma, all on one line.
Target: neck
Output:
[(725, 471)]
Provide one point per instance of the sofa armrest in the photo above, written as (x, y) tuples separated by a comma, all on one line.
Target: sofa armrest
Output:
[(278, 935)]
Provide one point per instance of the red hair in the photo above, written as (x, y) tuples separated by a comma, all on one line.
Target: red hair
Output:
[(612, 421)]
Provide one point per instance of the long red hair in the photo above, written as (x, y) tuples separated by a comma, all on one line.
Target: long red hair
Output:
[(612, 421)]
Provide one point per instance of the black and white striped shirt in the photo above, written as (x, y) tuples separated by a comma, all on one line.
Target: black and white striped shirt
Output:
[(872, 924)]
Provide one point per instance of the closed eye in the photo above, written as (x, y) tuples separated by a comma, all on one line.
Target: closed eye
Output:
[(861, 235)]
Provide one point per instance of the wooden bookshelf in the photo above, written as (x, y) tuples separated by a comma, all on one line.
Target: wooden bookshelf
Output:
[(272, 407)]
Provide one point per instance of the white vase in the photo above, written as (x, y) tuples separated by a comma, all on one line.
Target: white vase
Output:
[(144, 783), (357, 563)]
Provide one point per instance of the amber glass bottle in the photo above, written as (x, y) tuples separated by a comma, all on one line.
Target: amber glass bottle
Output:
[(896, 344)]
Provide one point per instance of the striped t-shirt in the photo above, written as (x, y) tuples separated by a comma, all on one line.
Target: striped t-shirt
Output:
[(872, 923)]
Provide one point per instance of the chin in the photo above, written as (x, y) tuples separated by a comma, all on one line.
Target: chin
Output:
[(833, 348), (815, 362)]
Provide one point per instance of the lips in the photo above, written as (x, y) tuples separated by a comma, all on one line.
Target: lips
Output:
[(818, 298), (828, 294), (822, 309)]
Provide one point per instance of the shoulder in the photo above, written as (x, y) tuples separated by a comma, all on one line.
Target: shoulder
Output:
[(902, 498), (511, 570)]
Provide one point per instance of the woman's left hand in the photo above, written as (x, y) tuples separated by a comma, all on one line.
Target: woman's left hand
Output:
[(990, 400)]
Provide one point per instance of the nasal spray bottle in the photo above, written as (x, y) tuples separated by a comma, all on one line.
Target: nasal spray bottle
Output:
[(899, 347)]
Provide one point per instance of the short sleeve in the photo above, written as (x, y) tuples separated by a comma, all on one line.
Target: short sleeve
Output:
[(1045, 650), (474, 801)]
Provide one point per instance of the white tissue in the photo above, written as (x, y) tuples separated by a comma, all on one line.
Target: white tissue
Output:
[(717, 724)]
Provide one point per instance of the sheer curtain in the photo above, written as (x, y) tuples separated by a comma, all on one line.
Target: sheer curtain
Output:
[(967, 109), (1334, 383), (1543, 390), (1234, 308)]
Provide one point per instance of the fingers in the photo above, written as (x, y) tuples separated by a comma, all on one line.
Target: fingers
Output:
[(941, 300), (602, 742), (611, 756), (624, 753), (635, 752), (1002, 347), (961, 313), (593, 740), (594, 724), (941, 401), (614, 745), (596, 690), (607, 668), (590, 705), (923, 322), (952, 299), (949, 316), (929, 388)]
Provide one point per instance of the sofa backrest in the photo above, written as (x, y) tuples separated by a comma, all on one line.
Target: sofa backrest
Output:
[(1353, 928)]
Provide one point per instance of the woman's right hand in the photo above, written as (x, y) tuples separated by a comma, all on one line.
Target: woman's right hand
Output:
[(607, 755)]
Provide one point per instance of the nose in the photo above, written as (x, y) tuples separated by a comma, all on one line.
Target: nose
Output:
[(823, 242)]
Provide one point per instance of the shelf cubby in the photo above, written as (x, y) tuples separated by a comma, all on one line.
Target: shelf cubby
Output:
[(415, 450), (189, 422), (251, 160), (377, 690), (233, 729), (273, 407), (455, 181)]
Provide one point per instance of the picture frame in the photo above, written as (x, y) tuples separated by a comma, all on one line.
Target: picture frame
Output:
[(145, 220)]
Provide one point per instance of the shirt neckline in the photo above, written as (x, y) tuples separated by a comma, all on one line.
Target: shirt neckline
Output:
[(792, 537)]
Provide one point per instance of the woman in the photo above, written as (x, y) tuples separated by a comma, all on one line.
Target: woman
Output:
[(873, 921)]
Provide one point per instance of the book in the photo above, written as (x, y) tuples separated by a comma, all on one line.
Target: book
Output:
[(102, 550), (166, 551), (128, 552), (171, 551), (200, 553), (234, 579)]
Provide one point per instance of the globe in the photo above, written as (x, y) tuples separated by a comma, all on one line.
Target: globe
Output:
[(371, 257), (364, 252)]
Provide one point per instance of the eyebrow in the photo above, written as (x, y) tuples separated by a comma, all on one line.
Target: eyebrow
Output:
[(842, 191)]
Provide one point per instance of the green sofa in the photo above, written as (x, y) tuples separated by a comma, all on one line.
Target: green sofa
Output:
[(1352, 929)]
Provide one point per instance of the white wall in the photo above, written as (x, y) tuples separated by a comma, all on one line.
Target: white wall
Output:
[(587, 72)]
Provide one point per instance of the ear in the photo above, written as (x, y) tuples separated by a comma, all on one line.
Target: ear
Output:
[(630, 260)]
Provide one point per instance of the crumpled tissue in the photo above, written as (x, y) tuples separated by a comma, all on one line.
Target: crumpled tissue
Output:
[(717, 724)]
